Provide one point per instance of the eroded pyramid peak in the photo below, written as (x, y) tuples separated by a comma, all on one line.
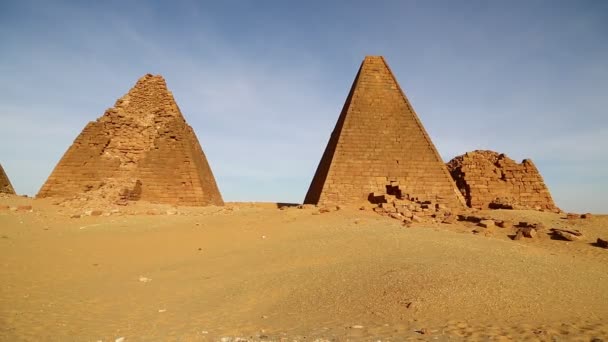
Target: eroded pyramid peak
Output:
[(142, 148)]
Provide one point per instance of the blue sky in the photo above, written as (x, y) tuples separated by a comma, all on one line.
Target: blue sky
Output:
[(262, 82)]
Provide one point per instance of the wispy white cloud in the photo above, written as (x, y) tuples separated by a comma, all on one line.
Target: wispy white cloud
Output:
[(263, 84)]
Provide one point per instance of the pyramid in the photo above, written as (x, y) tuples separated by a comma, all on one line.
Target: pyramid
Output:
[(5, 184), (141, 149), (379, 142)]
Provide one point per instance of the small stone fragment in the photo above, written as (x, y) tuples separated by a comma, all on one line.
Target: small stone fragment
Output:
[(602, 243), (572, 216), (486, 223), (96, 213), (505, 224), (449, 219), (529, 232), (395, 216), (75, 216), (324, 210), (565, 235), (519, 235), (586, 216)]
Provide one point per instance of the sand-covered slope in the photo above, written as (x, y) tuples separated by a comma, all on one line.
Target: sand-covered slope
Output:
[(258, 272)]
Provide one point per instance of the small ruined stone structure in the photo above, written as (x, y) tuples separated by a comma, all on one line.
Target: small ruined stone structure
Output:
[(379, 144), (5, 184), (491, 180), (141, 149)]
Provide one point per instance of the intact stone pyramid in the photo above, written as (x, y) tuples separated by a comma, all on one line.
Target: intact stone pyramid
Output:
[(141, 149), (5, 184), (378, 141)]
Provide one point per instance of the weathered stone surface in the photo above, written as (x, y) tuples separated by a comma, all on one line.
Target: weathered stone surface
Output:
[(377, 142), (5, 183), (519, 235), (491, 180), (141, 149)]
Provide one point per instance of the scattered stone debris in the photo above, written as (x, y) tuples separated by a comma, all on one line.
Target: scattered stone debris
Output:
[(602, 243), (528, 230), (398, 204), (567, 234)]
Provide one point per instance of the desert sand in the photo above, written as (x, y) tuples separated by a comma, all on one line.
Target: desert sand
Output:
[(252, 271)]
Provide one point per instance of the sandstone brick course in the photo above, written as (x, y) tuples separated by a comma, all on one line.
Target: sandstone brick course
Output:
[(5, 183), (491, 180), (143, 149), (379, 139)]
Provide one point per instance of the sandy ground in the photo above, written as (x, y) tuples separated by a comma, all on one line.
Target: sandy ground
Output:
[(253, 271)]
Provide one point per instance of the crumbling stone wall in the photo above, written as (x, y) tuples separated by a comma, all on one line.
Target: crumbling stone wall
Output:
[(142, 148), (5, 183), (379, 139), (489, 179)]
